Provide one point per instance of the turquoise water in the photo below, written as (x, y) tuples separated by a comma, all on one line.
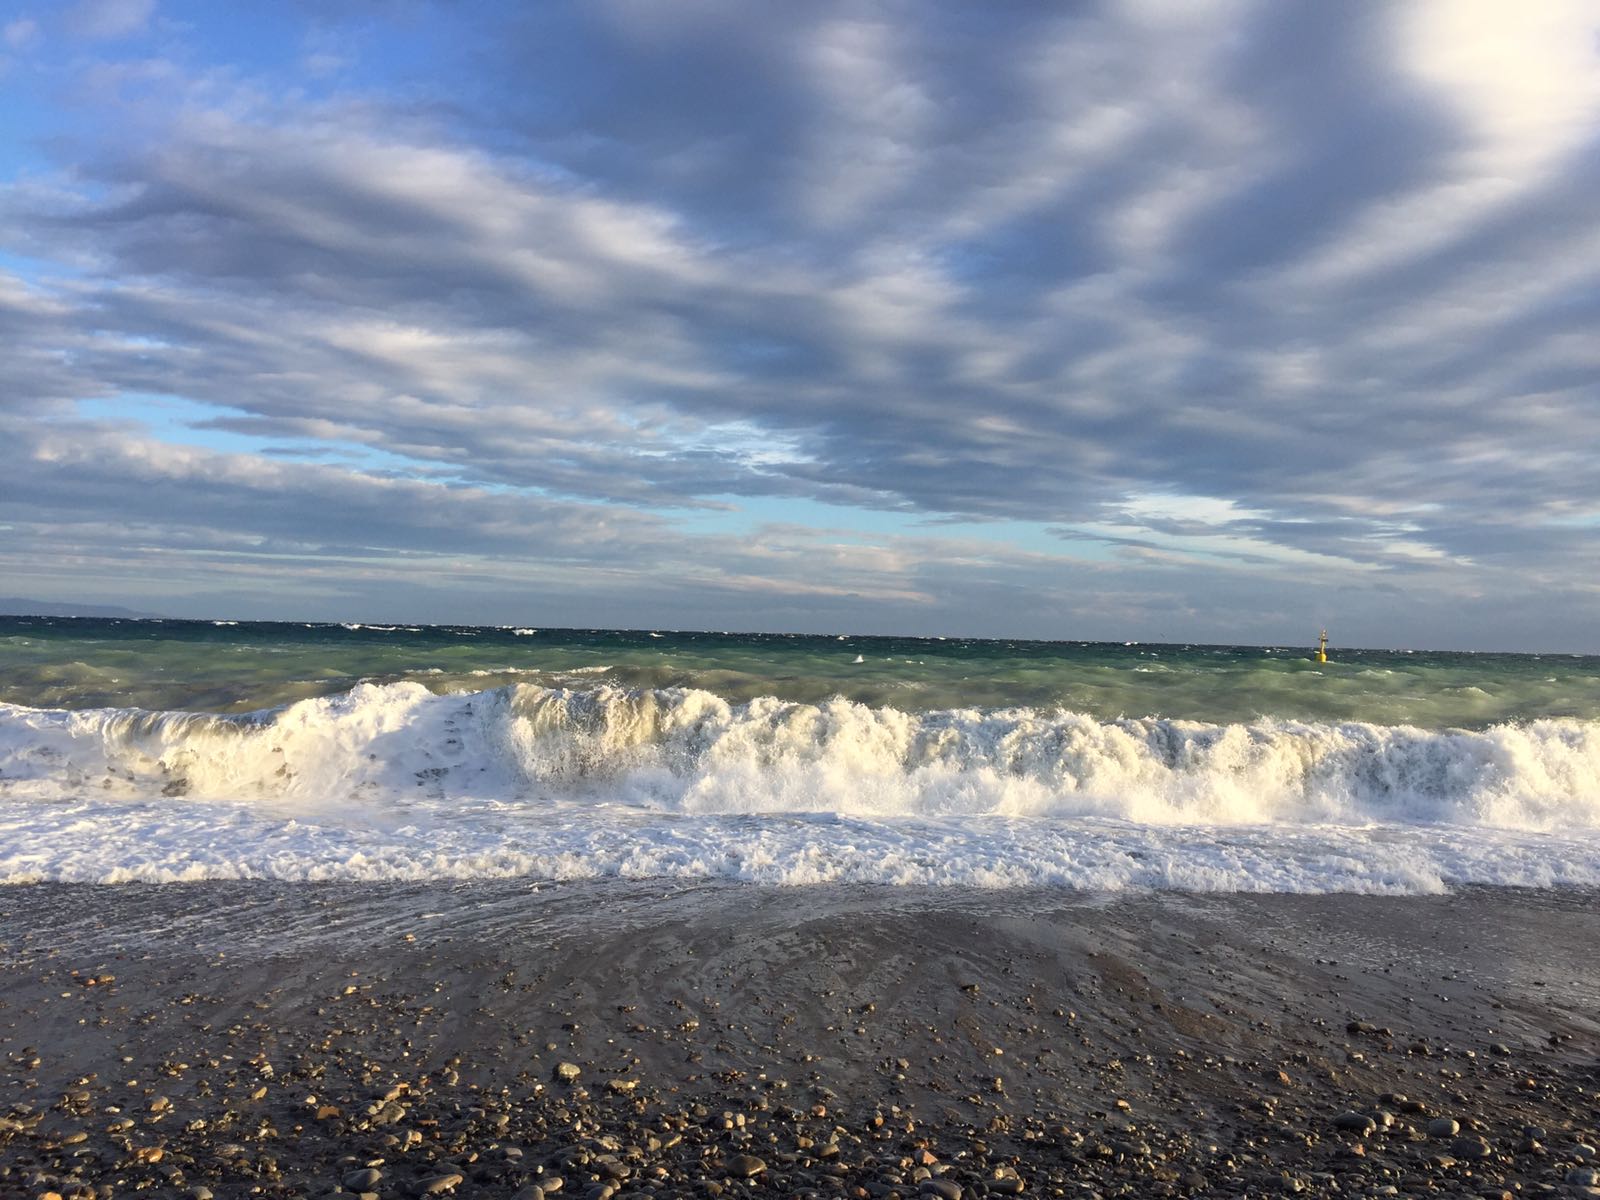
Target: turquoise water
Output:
[(233, 668)]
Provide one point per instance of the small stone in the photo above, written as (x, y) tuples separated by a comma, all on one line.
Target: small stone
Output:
[(200, 1192), (532, 1192), (745, 1166), (363, 1180), (1583, 1177), (600, 1191), (622, 1086), (1470, 1148), (160, 1104), (567, 1072), (945, 1189), (1356, 1123), (438, 1184), (1443, 1127)]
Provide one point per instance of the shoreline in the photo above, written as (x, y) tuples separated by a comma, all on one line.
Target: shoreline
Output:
[(863, 1041)]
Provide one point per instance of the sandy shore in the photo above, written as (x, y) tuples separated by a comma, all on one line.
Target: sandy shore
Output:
[(635, 1039)]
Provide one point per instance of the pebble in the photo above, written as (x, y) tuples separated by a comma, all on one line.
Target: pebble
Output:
[(1354, 1122), (945, 1189), (439, 1184), (745, 1166), (567, 1072), (1443, 1127), (1470, 1148), (1583, 1177), (363, 1180)]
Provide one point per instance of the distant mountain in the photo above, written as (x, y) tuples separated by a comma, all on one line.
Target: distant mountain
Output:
[(16, 606)]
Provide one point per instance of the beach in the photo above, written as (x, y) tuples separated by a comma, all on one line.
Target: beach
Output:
[(309, 910), (637, 1038)]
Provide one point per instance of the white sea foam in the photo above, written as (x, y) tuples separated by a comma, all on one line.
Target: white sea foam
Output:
[(394, 782)]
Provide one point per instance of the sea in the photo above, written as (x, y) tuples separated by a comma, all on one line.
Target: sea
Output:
[(147, 751)]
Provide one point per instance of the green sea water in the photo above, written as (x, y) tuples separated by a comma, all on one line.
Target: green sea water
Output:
[(245, 666)]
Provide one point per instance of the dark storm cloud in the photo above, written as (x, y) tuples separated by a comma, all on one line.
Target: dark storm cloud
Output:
[(1281, 286)]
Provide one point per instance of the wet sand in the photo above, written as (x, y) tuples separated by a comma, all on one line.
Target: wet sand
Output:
[(729, 1040)]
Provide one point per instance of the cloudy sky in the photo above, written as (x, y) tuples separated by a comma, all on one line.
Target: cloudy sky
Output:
[(1165, 319)]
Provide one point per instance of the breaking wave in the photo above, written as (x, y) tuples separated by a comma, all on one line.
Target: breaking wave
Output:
[(394, 781)]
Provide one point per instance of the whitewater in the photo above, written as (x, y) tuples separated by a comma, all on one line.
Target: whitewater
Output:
[(399, 781)]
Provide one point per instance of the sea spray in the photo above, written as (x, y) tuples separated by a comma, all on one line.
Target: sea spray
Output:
[(395, 781), (689, 751)]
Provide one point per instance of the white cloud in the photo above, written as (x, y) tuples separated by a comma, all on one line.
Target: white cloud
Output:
[(110, 19), (1524, 83), (20, 33)]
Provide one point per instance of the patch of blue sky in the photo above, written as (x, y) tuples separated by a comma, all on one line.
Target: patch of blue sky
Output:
[(746, 514), (254, 38), (356, 48), (182, 422), (36, 272), (30, 118)]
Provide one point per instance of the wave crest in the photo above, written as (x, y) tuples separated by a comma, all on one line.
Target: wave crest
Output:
[(688, 751)]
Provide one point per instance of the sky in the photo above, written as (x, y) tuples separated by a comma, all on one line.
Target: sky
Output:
[(1180, 320)]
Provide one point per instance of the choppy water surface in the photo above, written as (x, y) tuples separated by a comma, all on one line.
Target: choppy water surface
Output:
[(217, 667), (184, 750)]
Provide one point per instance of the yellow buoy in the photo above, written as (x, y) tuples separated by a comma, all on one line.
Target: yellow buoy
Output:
[(1322, 647)]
